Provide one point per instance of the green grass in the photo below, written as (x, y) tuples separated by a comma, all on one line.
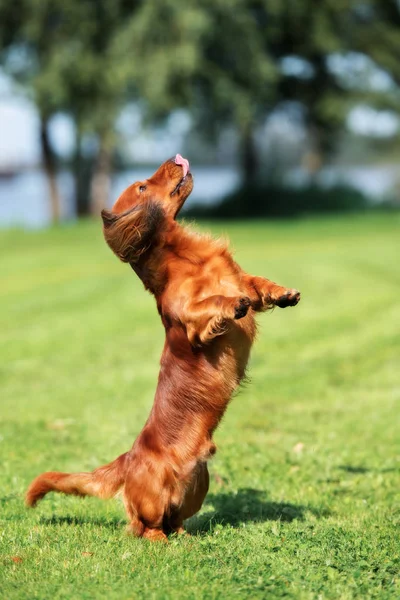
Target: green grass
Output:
[(304, 498)]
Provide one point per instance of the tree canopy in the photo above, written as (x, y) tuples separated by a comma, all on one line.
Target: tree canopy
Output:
[(227, 62)]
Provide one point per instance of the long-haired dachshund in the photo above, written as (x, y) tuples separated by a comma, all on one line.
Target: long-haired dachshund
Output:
[(207, 305)]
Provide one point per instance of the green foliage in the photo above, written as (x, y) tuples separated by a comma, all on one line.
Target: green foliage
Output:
[(206, 55), (304, 499), (377, 34), (159, 50), (62, 51), (237, 79), (228, 62)]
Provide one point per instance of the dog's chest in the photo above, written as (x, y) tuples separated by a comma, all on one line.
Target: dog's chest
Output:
[(218, 276)]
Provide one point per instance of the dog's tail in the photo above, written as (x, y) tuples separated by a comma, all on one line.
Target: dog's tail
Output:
[(104, 482)]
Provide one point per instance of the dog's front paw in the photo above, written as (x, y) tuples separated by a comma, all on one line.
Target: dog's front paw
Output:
[(242, 306), (289, 298)]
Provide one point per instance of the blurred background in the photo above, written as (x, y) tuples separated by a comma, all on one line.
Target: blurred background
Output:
[(296, 103)]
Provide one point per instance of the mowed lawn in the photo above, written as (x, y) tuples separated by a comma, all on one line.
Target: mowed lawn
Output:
[(304, 499)]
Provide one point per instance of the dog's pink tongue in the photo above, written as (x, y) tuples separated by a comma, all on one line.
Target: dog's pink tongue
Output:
[(179, 160)]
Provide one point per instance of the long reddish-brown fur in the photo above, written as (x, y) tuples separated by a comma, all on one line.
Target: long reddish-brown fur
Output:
[(207, 305)]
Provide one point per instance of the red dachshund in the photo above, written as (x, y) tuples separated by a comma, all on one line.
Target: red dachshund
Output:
[(207, 305)]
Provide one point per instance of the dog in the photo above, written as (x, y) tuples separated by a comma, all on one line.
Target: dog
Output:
[(207, 305)]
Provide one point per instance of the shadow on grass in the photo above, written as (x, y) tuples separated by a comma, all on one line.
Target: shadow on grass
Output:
[(247, 505), (111, 523), (229, 508), (364, 470)]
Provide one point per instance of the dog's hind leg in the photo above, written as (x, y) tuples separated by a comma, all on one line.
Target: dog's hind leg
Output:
[(145, 511), (137, 528), (154, 534), (194, 498)]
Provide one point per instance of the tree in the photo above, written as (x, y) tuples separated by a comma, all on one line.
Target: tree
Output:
[(237, 80), (377, 35), (340, 36), (64, 53), (209, 58), (18, 37), (301, 37), (96, 91), (229, 62)]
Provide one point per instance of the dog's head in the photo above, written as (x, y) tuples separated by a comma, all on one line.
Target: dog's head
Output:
[(145, 207)]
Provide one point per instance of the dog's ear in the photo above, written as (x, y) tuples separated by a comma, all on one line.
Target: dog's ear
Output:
[(132, 232)]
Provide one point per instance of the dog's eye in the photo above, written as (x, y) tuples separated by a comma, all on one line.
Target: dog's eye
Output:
[(142, 188)]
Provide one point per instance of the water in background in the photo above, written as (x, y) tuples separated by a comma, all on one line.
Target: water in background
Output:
[(24, 199)]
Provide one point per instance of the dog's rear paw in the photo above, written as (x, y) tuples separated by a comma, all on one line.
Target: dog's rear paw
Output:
[(242, 307), (289, 298)]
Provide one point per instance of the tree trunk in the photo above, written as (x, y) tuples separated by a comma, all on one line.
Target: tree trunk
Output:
[(248, 151), (81, 172), (101, 182), (50, 170), (315, 156)]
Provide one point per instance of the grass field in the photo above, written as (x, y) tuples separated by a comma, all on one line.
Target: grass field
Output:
[(304, 499)]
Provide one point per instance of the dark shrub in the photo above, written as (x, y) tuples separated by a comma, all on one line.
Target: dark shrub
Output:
[(275, 201)]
